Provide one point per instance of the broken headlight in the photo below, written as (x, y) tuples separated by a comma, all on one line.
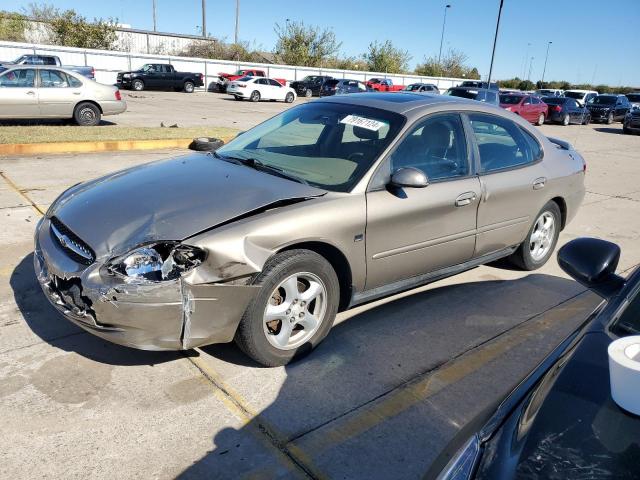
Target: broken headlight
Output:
[(157, 262)]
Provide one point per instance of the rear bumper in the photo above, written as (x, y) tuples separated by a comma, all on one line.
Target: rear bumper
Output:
[(113, 107), (169, 315)]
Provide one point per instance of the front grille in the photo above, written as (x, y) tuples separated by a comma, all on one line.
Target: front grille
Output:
[(73, 245), (119, 78)]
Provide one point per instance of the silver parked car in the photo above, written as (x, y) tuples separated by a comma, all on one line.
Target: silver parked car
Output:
[(50, 92), (327, 205)]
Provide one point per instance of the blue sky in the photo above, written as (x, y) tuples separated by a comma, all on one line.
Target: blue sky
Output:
[(592, 40)]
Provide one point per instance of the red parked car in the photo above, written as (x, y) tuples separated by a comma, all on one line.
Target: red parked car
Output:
[(224, 79), (527, 106), (383, 85)]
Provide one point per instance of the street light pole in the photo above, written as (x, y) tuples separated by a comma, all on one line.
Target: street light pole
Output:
[(530, 67), (154, 16), (237, 19), (545, 61), (495, 40), (444, 21), (524, 64), (204, 18)]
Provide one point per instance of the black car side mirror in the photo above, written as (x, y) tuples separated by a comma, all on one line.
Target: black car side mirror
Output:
[(409, 177), (592, 262)]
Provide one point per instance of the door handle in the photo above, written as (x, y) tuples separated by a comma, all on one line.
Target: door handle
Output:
[(31, 92), (465, 199), (539, 183), (76, 93)]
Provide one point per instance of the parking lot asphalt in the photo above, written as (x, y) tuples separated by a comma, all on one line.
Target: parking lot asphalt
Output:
[(379, 398), (150, 108)]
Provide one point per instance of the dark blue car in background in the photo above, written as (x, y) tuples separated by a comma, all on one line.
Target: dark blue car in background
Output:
[(565, 110), (341, 87)]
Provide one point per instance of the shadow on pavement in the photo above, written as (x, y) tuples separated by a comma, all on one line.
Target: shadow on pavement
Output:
[(365, 358), (609, 130), (45, 321)]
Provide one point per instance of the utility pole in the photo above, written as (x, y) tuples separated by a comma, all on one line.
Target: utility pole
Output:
[(237, 20), (204, 18), (530, 67), (444, 21), (545, 61), (154, 16), (495, 40)]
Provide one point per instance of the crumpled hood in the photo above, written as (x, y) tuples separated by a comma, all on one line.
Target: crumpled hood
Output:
[(168, 200)]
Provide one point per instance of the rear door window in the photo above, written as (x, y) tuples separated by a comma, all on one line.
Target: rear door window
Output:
[(53, 79), (501, 143), (274, 83)]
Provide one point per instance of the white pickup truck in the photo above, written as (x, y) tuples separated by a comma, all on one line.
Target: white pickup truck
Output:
[(31, 59)]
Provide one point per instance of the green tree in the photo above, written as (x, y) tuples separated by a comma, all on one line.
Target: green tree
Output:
[(13, 26), (452, 64), (347, 63), (305, 45), (384, 57), (219, 50)]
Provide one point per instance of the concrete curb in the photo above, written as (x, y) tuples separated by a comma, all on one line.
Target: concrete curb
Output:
[(101, 146)]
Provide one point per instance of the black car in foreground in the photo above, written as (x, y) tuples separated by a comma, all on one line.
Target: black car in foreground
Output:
[(609, 108), (565, 110), (561, 422), (310, 85)]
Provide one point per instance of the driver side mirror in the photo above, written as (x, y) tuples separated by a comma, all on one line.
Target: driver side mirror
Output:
[(592, 262), (409, 177)]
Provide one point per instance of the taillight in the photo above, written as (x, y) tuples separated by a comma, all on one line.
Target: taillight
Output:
[(556, 108), (118, 96)]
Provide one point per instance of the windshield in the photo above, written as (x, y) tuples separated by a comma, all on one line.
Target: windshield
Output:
[(245, 79), (629, 321), (633, 97), (310, 78), (328, 145), (20, 58), (510, 99), (576, 95), (412, 87), (461, 92), (546, 92), (604, 100)]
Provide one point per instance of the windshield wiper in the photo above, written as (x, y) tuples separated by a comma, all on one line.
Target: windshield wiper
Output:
[(258, 165)]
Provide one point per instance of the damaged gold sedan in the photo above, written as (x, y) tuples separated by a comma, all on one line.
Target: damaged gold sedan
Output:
[(328, 205)]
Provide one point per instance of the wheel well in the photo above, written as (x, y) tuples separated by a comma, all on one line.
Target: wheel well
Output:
[(88, 101), (339, 263), (562, 205)]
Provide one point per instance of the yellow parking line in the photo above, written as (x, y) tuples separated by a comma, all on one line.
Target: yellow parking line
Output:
[(405, 397), (294, 458), (15, 187)]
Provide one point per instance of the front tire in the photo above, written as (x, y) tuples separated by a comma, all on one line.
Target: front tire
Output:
[(87, 114), (308, 93), (189, 87), (293, 310), (541, 240), (566, 120), (255, 96), (137, 85), (587, 120), (289, 98)]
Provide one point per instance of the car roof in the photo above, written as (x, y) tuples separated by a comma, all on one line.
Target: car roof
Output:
[(403, 102)]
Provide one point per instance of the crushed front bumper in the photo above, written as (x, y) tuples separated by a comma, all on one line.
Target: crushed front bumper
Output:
[(170, 315)]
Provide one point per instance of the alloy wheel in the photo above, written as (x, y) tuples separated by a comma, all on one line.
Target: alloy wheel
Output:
[(542, 236), (295, 310)]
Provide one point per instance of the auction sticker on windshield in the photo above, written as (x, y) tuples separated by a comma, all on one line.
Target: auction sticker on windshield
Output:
[(363, 122)]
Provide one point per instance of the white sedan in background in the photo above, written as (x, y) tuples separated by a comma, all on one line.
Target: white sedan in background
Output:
[(260, 88)]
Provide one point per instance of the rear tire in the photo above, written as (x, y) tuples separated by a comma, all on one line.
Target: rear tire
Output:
[(540, 119), (238, 97), (308, 93), (189, 87), (255, 96), (137, 85), (87, 114), (206, 144), (566, 119), (541, 240), (610, 118), (257, 336)]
